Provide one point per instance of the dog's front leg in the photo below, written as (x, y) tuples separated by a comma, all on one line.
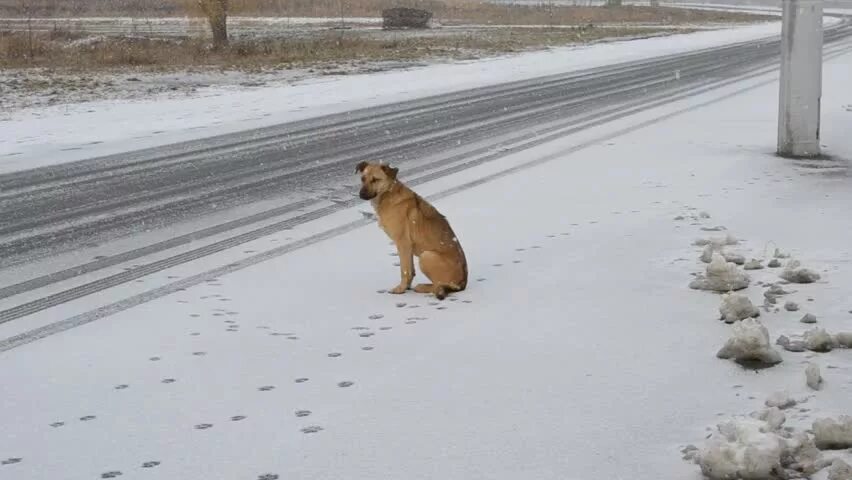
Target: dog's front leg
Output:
[(406, 269)]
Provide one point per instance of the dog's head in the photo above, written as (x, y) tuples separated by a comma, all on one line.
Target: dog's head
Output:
[(376, 179)]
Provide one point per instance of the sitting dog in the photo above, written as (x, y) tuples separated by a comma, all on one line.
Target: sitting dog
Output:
[(417, 229)]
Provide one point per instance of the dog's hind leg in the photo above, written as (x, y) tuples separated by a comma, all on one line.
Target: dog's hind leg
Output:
[(441, 271)]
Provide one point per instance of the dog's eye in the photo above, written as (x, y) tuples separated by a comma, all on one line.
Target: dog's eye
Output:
[(374, 180)]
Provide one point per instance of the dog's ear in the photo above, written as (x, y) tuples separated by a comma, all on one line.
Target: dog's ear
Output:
[(390, 171), (360, 167)]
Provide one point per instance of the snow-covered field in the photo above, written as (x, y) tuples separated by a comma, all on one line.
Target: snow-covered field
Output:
[(577, 352), (39, 136)]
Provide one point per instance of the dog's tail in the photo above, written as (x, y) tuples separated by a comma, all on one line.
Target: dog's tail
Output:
[(441, 291)]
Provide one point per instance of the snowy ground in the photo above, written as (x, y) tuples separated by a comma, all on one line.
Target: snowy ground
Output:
[(38, 136), (577, 352)]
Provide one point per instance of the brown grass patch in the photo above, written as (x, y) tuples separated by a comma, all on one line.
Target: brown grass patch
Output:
[(57, 51), (446, 11)]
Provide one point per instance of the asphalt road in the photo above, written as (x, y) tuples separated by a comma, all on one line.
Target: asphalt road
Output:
[(59, 209)]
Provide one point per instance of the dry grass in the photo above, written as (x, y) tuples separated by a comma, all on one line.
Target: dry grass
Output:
[(446, 11), (60, 51)]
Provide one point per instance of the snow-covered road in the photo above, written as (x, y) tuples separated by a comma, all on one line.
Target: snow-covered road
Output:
[(578, 351)]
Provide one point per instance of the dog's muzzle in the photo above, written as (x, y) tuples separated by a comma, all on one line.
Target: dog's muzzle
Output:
[(366, 194)]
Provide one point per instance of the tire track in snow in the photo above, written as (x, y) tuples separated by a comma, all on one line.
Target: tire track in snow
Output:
[(107, 310)]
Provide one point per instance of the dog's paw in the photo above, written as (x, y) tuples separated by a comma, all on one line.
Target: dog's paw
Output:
[(398, 290)]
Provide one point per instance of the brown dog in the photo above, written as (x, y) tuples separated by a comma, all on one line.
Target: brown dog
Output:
[(417, 229)]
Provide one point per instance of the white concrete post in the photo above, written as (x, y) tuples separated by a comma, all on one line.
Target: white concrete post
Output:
[(801, 79)]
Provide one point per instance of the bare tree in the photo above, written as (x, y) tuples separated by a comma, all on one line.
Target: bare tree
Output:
[(27, 10), (216, 12)]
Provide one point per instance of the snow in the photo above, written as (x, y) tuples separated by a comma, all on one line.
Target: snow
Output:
[(780, 400), (818, 340), (584, 358), (813, 377), (757, 448), (717, 243), (799, 275), (749, 343), (833, 433), (843, 339), (742, 448), (737, 307), (840, 470), (707, 254), (753, 264), (721, 276), (35, 137)]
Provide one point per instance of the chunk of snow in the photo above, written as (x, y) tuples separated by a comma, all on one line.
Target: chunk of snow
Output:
[(750, 343), (839, 470), (809, 318), (717, 242), (758, 448), (742, 448), (802, 456), (773, 416), (737, 307), (813, 378), (704, 215), (833, 434), (709, 249), (707, 253), (791, 306), (721, 277), (781, 400), (734, 258), (778, 254), (818, 340), (790, 345), (795, 274), (776, 290), (843, 339), (774, 263), (753, 264)]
